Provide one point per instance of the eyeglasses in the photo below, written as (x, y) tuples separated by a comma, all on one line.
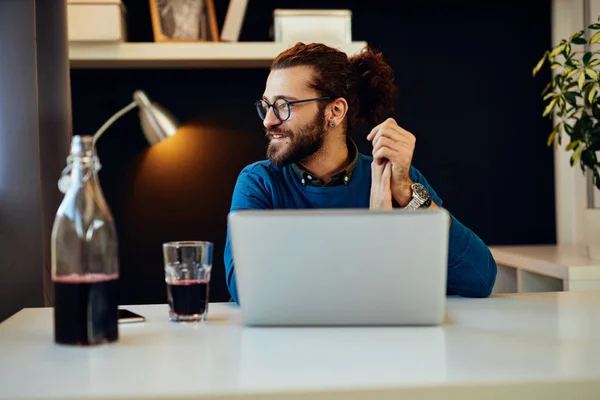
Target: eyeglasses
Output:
[(281, 107)]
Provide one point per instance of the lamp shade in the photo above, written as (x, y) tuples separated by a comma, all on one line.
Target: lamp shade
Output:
[(157, 123)]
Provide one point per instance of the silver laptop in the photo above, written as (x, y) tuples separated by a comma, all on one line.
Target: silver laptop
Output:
[(340, 267)]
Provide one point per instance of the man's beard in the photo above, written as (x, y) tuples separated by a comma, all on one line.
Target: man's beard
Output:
[(298, 145)]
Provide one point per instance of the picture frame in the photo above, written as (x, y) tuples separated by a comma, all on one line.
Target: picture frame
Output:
[(184, 21)]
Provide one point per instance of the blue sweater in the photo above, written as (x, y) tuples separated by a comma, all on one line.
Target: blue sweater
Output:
[(262, 185)]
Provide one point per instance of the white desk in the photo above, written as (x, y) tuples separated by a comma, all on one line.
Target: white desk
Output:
[(545, 269), (525, 346)]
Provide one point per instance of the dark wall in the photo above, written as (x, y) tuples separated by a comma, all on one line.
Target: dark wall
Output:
[(35, 132), (464, 73)]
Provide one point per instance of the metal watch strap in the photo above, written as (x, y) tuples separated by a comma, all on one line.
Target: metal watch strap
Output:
[(413, 204), (420, 197)]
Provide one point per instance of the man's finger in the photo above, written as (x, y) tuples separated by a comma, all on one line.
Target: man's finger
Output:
[(388, 124), (384, 153), (395, 133), (387, 142), (381, 135), (406, 138), (376, 170), (374, 131), (399, 129), (386, 177)]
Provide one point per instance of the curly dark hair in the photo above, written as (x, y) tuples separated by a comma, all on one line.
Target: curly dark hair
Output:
[(364, 79)]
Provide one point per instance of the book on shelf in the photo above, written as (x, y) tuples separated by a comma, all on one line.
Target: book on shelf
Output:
[(234, 19)]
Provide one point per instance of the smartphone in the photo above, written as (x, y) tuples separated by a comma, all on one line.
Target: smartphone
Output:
[(129, 317)]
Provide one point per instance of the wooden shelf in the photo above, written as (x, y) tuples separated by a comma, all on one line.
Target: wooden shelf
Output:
[(183, 55)]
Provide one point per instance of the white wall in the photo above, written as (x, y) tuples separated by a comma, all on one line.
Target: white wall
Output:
[(570, 183)]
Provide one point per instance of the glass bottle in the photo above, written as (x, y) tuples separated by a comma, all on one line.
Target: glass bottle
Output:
[(85, 266)]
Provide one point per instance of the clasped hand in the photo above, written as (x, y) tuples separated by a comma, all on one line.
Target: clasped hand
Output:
[(393, 149)]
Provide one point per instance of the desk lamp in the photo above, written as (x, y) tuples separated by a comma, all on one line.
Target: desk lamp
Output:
[(157, 123)]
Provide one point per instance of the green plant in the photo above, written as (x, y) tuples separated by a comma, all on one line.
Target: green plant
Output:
[(573, 95)]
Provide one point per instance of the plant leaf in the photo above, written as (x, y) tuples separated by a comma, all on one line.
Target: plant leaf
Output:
[(579, 41), (572, 145), (581, 80), (587, 57), (582, 126), (594, 38), (571, 85), (594, 26), (557, 50), (548, 87), (592, 94), (550, 106), (560, 102), (571, 113), (549, 95), (595, 146), (576, 35), (589, 158), (586, 90), (591, 73), (557, 81), (540, 64), (570, 97), (576, 156), (569, 129), (567, 51), (596, 110), (552, 135), (595, 62), (570, 74)]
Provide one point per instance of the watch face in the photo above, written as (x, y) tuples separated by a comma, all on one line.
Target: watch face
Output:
[(421, 192)]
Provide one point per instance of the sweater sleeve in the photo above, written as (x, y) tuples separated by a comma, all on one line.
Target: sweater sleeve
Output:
[(471, 266), (250, 192)]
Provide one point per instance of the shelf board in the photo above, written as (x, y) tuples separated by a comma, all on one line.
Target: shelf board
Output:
[(183, 55)]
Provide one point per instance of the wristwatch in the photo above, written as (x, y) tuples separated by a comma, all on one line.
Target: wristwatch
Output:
[(420, 197)]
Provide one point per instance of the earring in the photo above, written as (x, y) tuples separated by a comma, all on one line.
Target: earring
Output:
[(332, 124)]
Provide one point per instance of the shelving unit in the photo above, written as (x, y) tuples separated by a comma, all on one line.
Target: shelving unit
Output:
[(183, 55)]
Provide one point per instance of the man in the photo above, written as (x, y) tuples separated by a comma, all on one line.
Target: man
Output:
[(313, 95)]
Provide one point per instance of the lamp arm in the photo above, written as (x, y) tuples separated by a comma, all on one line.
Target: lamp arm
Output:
[(112, 119)]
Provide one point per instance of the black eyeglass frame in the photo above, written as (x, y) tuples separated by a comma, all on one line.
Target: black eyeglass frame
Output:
[(287, 103)]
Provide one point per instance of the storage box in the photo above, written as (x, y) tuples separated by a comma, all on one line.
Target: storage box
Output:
[(324, 26), (96, 21)]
